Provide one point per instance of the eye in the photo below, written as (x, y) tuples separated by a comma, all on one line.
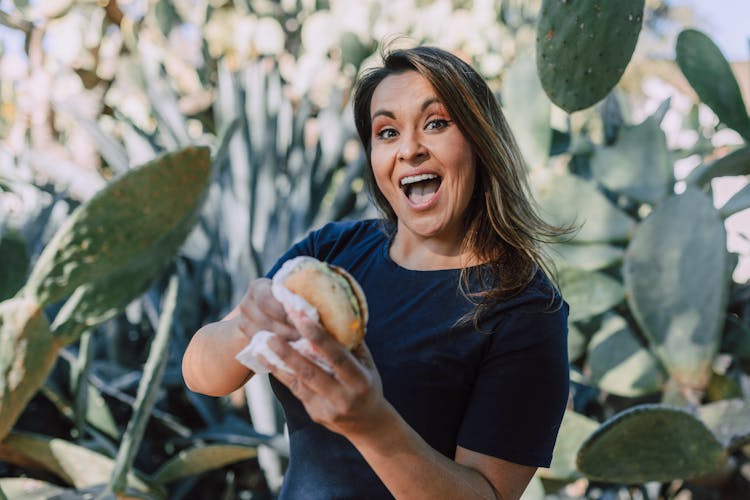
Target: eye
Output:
[(437, 124), (386, 133)]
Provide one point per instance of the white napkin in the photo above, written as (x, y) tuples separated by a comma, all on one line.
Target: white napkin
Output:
[(296, 308)]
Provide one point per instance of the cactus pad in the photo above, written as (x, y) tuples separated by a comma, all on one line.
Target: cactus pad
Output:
[(639, 164), (675, 274), (584, 47), (569, 199), (574, 430), (27, 354), (729, 420), (589, 293), (619, 364), (710, 75), (143, 215), (650, 443)]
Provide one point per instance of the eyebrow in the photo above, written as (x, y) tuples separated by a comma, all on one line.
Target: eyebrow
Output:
[(389, 114)]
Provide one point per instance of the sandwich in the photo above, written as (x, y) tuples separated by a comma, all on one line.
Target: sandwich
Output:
[(324, 293)]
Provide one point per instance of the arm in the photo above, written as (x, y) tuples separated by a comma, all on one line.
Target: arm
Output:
[(209, 365), (351, 403)]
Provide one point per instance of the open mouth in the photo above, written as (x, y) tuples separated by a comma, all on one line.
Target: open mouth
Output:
[(420, 189)]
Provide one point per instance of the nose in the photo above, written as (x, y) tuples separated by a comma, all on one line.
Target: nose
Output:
[(411, 149)]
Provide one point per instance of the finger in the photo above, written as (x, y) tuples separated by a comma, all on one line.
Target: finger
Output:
[(364, 356), (263, 297), (344, 364), (305, 371), (289, 379)]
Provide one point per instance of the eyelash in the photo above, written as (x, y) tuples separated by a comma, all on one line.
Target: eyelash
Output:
[(440, 122)]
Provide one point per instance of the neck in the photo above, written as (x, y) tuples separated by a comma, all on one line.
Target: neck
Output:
[(429, 254)]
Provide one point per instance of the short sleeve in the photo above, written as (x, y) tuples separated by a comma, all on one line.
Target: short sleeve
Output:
[(521, 389)]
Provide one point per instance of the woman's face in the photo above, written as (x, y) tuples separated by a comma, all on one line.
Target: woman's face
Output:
[(422, 163)]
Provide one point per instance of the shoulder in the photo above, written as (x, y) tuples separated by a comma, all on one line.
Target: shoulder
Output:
[(335, 238), (538, 314)]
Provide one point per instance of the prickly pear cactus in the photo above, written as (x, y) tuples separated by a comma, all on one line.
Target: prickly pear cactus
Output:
[(583, 48), (27, 354), (650, 443), (564, 197), (574, 430), (134, 219), (675, 274), (710, 75), (729, 420), (639, 164)]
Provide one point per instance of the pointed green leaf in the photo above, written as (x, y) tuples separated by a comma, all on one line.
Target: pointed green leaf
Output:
[(568, 199), (639, 164), (574, 430), (527, 109), (148, 389), (583, 48), (26, 488), (589, 293), (619, 364), (201, 459), (650, 443), (76, 465), (675, 274), (729, 420), (142, 216), (710, 75)]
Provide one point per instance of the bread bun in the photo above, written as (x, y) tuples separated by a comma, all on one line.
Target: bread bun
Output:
[(333, 292)]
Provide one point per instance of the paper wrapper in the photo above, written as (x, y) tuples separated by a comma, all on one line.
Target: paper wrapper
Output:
[(296, 308)]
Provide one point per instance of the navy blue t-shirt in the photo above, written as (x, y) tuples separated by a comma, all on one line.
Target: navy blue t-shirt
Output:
[(500, 391)]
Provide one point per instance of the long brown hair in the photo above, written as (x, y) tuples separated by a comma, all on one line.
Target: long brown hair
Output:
[(502, 227)]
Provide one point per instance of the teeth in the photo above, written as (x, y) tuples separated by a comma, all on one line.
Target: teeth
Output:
[(417, 178)]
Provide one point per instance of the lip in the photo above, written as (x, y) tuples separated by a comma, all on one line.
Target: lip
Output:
[(414, 172), (431, 201)]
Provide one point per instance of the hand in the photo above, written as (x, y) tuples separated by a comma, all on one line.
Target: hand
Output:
[(259, 310), (350, 401)]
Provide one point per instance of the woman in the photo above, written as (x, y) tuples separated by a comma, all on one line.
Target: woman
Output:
[(461, 387)]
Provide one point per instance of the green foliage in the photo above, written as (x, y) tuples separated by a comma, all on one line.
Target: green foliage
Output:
[(14, 255), (646, 274), (574, 430), (584, 47), (709, 73), (200, 459), (27, 353), (729, 420), (567, 199), (650, 443), (76, 465), (619, 364), (677, 286), (130, 228), (638, 164)]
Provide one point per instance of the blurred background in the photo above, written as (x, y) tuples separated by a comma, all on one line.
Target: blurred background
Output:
[(105, 105)]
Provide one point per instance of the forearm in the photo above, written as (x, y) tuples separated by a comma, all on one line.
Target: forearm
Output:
[(209, 365), (411, 468)]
